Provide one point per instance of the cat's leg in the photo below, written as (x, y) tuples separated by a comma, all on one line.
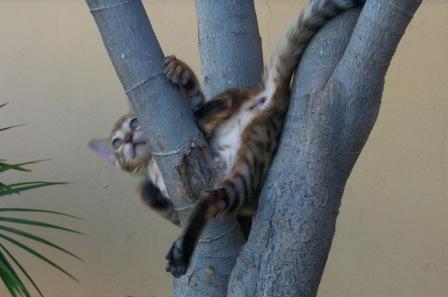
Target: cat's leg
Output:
[(180, 253), (181, 74), (154, 198), (233, 196), (216, 203), (211, 205), (245, 223)]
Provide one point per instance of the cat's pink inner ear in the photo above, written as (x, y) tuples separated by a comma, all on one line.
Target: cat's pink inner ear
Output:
[(103, 149)]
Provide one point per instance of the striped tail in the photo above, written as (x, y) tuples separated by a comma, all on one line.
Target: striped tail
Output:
[(299, 33), (233, 194)]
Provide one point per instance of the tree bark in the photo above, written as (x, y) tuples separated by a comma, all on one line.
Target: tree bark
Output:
[(335, 101), (230, 45)]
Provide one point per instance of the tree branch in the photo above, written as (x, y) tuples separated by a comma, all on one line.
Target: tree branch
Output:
[(229, 44), (374, 41), (335, 102)]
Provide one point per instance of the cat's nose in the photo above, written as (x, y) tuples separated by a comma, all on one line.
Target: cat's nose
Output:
[(128, 138)]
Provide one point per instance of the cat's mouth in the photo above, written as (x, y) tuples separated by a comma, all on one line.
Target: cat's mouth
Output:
[(140, 150), (135, 148), (133, 151)]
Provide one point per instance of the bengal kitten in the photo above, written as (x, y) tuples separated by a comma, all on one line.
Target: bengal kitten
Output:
[(242, 128)]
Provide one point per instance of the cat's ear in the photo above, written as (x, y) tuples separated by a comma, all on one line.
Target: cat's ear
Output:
[(103, 148)]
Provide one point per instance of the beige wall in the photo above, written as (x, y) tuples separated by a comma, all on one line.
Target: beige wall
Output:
[(391, 237)]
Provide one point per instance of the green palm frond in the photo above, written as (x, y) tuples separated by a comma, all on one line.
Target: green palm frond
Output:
[(10, 278), (22, 269), (16, 188), (19, 166), (12, 272), (8, 263), (15, 209)]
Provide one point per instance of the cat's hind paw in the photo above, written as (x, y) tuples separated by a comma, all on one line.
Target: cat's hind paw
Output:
[(177, 262)]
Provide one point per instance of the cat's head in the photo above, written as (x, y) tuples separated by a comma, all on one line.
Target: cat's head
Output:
[(125, 147)]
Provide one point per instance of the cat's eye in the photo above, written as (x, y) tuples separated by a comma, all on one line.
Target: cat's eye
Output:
[(117, 142), (133, 123)]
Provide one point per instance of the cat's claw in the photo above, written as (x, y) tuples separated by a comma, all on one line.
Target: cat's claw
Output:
[(179, 73), (177, 264)]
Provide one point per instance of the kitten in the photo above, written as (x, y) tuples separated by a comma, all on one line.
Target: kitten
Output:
[(242, 128)]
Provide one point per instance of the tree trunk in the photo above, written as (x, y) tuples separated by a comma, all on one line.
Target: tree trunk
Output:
[(335, 101)]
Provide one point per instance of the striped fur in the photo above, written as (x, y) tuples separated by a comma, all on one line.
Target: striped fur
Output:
[(243, 127)]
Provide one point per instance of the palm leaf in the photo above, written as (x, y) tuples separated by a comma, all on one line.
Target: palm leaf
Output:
[(8, 279), (22, 269), (4, 187), (11, 279), (8, 275), (9, 127), (16, 188), (37, 223), (15, 209), (38, 255), (39, 239), (7, 282), (5, 166)]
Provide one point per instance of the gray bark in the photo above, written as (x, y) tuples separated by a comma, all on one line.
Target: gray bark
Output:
[(335, 101), (230, 45)]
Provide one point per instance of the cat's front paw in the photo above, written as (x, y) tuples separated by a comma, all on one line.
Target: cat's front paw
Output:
[(151, 195), (179, 73), (177, 262)]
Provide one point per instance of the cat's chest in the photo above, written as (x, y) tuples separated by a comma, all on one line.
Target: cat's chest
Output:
[(226, 142)]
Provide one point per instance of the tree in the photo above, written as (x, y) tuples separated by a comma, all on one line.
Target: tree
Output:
[(334, 104)]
